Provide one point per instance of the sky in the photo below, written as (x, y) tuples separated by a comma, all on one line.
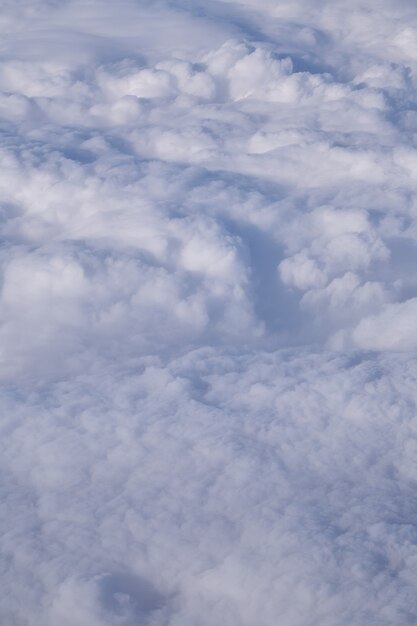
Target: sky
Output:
[(208, 313)]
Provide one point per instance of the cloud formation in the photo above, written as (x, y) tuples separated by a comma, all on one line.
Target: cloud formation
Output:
[(207, 312), (164, 146)]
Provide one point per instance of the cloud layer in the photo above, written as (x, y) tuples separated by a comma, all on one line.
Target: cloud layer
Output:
[(217, 488), (207, 312)]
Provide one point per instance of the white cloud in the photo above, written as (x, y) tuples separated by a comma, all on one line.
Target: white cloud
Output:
[(207, 312), (249, 487), (391, 329)]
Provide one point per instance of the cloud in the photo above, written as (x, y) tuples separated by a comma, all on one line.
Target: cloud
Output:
[(207, 305), (391, 329), (219, 484)]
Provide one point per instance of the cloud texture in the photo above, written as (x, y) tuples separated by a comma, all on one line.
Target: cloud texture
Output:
[(207, 312)]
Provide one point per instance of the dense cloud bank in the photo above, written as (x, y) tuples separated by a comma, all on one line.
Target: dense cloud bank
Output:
[(218, 489), (208, 306)]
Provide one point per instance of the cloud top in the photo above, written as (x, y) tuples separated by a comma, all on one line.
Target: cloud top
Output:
[(207, 312)]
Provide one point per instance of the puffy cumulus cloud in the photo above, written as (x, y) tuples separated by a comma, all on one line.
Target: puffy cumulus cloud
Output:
[(343, 245), (228, 111), (74, 300), (389, 329), (207, 308)]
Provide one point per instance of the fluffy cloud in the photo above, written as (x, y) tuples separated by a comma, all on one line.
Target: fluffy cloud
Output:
[(207, 312), (218, 487)]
